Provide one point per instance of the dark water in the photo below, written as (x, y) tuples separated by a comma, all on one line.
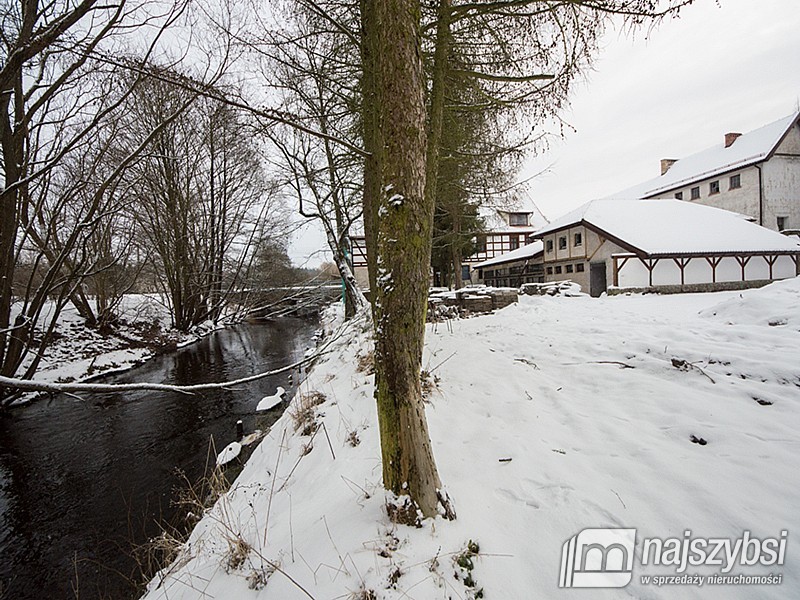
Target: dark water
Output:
[(82, 480)]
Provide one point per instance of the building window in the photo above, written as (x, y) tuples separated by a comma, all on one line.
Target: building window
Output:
[(480, 273), (464, 272), (735, 182), (562, 243), (578, 239), (549, 270), (782, 223), (678, 195), (558, 270), (713, 187), (579, 267), (549, 245), (695, 193), (518, 219), (514, 242), (569, 269)]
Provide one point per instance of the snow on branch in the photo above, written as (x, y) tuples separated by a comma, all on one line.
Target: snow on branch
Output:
[(30, 385)]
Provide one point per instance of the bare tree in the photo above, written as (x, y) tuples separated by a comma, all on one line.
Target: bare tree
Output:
[(55, 99), (315, 64), (200, 198)]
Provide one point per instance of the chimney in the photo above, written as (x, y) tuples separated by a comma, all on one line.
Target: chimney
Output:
[(730, 138), (666, 163)]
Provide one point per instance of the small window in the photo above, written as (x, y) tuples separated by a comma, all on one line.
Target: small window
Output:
[(549, 245), (549, 270), (578, 239), (713, 187), (514, 242), (464, 272), (558, 270), (695, 193), (735, 182), (678, 195), (562, 243), (518, 219), (480, 273), (579, 267), (569, 268), (782, 223)]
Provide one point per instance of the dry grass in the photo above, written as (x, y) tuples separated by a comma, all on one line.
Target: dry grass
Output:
[(304, 412), (366, 363), (363, 594), (429, 383), (238, 551), (353, 439)]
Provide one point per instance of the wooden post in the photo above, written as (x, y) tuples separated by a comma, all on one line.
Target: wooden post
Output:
[(770, 258), (743, 260), (713, 261), (682, 262)]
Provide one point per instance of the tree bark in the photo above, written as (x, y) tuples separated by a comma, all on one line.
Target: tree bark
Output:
[(401, 228)]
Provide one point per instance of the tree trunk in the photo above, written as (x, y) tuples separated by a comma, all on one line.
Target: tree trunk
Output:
[(371, 22), (456, 251), (401, 229)]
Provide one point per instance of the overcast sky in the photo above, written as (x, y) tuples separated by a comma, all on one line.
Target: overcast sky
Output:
[(667, 94), (716, 69)]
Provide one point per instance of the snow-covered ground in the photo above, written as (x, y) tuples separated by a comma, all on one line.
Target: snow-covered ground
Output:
[(548, 417)]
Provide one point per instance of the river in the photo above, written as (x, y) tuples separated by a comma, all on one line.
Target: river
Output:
[(84, 480)]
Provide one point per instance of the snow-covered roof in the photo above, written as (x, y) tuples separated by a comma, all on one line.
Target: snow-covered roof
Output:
[(656, 227), (520, 253), (746, 150), (521, 202)]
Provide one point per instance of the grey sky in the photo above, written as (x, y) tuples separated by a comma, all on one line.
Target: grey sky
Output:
[(716, 69), (665, 93)]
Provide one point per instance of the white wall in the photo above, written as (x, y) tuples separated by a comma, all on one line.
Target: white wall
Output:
[(634, 274)]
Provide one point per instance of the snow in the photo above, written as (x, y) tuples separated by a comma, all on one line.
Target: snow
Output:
[(779, 308), (268, 402), (79, 353), (548, 417), (228, 453), (526, 251), (747, 149), (675, 227)]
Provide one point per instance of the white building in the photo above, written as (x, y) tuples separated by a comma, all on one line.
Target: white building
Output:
[(512, 269), (507, 227), (756, 174), (663, 245)]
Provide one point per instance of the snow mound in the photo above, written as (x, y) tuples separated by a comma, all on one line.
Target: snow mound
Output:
[(775, 305), (230, 452), (567, 288)]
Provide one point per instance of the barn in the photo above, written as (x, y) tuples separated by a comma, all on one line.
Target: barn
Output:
[(663, 245)]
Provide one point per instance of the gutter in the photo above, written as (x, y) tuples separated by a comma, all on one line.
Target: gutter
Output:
[(760, 197)]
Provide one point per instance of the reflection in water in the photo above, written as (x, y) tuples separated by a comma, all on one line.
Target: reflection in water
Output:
[(81, 479)]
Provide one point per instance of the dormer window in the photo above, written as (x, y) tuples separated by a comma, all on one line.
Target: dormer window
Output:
[(520, 219)]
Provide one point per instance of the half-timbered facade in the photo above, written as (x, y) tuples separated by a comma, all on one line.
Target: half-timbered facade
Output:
[(507, 228), (512, 269)]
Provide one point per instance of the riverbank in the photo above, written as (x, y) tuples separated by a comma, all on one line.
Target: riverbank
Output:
[(661, 413), (87, 481), (81, 354)]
